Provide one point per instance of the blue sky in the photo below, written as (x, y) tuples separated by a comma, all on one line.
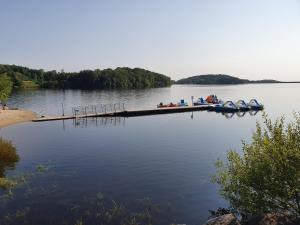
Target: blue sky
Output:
[(252, 39)]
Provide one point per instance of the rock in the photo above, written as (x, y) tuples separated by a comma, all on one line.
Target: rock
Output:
[(228, 219), (272, 219)]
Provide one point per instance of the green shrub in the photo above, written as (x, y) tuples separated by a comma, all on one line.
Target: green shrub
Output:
[(8, 156), (266, 176)]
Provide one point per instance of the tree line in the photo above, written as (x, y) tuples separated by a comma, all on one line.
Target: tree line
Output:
[(220, 79), (6, 86), (119, 78)]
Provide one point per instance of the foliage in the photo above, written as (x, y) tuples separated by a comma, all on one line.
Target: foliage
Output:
[(19, 217), (219, 79), (8, 160), (220, 212), (119, 78), (5, 87), (28, 84), (41, 168), (88, 210), (8, 156), (6, 183), (101, 211), (266, 177)]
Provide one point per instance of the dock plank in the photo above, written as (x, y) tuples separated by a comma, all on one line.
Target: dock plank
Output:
[(129, 113)]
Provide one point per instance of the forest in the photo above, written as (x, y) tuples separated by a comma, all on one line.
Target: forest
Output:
[(119, 78), (220, 79)]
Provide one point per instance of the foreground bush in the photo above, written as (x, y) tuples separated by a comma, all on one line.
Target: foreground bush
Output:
[(266, 176), (8, 156)]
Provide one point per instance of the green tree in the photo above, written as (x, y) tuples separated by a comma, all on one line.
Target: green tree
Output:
[(5, 89), (266, 176)]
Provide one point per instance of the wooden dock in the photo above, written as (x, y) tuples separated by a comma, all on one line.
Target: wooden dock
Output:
[(129, 113)]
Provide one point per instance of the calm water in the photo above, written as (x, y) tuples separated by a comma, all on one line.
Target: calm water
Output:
[(167, 159)]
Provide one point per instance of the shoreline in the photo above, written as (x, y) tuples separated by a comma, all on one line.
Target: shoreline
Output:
[(10, 117)]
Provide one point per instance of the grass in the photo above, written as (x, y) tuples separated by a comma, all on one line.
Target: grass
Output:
[(6, 183), (27, 84)]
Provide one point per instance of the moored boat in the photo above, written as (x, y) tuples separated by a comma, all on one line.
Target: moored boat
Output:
[(182, 103), (212, 99), (254, 105), (209, 100), (242, 106), (201, 101), (228, 106)]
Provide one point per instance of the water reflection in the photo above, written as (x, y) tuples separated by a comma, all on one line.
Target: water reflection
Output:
[(82, 122), (253, 113), (240, 114), (230, 115), (98, 121)]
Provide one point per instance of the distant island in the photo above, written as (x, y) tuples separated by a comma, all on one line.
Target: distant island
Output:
[(119, 78), (222, 79)]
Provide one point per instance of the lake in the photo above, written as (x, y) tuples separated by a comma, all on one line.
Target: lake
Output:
[(160, 164)]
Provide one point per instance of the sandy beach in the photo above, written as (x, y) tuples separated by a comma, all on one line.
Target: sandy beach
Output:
[(10, 117)]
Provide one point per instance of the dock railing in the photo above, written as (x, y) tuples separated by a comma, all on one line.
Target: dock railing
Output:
[(97, 109)]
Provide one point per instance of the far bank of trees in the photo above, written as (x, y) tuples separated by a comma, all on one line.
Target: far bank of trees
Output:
[(212, 79), (219, 79), (119, 78), (6, 86)]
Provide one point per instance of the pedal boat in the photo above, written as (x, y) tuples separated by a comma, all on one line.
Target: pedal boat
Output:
[(228, 106), (242, 106), (254, 105)]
